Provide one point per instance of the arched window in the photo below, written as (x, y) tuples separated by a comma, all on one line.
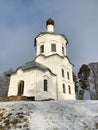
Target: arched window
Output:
[(53, 47), (20, 88), (68, 77), (42, 49), (63, 50), (64, 90), (69, 89), (45, 85), (62, 71)]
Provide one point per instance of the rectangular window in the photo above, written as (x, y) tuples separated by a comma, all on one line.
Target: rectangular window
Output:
[(69, 89), (68, 75), (45, 85), (62, 72), (53, 47), (64, 91), (42, 49)]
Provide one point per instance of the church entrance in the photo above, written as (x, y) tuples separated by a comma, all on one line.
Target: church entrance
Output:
[(20, 88)]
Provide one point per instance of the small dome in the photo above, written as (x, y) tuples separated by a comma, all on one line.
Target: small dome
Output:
[(49, 21)]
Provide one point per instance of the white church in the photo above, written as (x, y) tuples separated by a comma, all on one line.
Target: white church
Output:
[(49, 75)]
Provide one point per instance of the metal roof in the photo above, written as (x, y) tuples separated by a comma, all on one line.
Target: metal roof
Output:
[(50, 21), (32, 65)]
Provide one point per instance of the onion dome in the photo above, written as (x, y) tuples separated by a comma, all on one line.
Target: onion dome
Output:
[(49, 22)]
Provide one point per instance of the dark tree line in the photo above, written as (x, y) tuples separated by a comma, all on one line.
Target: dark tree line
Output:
[(87, 81), (83, 75), (4, 83), (82, 81)]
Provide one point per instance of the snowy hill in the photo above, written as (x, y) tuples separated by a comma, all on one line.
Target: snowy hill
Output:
[(50, 115)]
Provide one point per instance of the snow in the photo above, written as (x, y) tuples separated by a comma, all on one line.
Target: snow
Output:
[(50, 115)]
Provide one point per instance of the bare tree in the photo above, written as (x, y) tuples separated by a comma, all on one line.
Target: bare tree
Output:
[(4, 83)]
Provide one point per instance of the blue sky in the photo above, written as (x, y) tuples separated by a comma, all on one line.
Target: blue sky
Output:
[(22, 20)]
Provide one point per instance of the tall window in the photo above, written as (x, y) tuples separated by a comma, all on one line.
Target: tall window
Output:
[(64, 91), (20, 88), (62, 71), (69, 89), (63, 50), (68, 75), (45, 85), (53, 47), (42, 49)]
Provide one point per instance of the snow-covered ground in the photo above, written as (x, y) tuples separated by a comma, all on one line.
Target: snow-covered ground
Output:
[(50, 115)]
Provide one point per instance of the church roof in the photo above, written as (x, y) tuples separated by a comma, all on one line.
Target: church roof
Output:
[(53, 33), (31, 65), (49, 21)]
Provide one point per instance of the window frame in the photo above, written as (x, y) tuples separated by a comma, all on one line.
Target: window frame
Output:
[(45, 85), (63, 73), (68, 75), (63, 50), (53, 47), (42, 49), (64, 88), (69, 89)]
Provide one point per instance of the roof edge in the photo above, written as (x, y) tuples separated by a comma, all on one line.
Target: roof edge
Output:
[(36, 65), (49, 33), (53, 55)]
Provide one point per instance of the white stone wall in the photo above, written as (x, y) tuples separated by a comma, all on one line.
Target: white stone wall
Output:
[(47, 40), (56, 63), (33, 84)]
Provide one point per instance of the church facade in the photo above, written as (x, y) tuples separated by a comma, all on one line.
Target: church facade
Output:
[(49, 75)]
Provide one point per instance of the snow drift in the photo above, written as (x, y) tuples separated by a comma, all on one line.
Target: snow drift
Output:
[(50, 115)]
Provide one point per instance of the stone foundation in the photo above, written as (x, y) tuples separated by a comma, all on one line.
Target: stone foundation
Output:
[(17, 98)]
